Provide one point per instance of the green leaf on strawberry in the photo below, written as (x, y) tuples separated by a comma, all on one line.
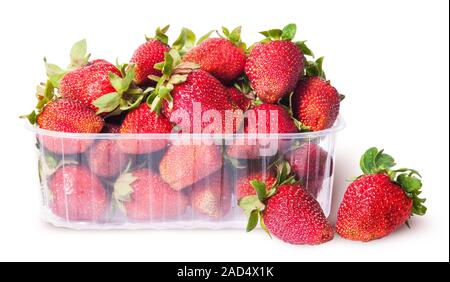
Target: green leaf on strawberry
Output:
[(107, 103), (160, 35), (185, 41), (314, 68), (305, 49), (206, 36), (288, 32), (254, 205), (78, 54), (375, 161)]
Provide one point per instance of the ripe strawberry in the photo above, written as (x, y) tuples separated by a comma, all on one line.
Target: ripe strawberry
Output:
[(68, 116), (262, 119), (184, 165), (193, 99), (295, 217), (309, 163), (143, 120), (200, 93), (148, 54), (380, 201), (316, 103), (224, 58), (143, 195), (275, 65), (88, 83), (287, 211), (77, 194), (212, 195), (105, 159), (244, 187), (238, 99)]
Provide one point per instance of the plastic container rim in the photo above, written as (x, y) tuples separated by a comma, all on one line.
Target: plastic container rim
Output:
[(338, 126)]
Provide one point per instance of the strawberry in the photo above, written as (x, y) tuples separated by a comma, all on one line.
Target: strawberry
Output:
[(184, 165), (68, 116), (202, 89), (88, 83), (143, 120), (77, 194), (97, 84), (224, 58), (315, 103), (309, 163), (193, 99), (238, 99), (262, 119), (244, 187), (212, 195), (287, 211), (143, 195), (275, 65), (381, 200), (148, 54), (105, 159)]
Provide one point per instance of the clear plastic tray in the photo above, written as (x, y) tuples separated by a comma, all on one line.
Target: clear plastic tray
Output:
[(178, 181)]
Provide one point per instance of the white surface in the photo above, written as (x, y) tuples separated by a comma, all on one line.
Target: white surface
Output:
[(389, 57)]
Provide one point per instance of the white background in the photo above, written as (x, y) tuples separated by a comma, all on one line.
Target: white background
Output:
[(389, 57)]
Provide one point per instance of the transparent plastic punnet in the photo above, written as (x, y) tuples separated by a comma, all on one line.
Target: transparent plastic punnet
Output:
[(150, 181)]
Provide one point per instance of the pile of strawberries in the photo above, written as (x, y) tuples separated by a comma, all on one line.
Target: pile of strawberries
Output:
[(215, 85)]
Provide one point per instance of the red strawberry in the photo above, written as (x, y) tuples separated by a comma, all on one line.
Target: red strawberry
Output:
[(288, 211), (203, 90), (295, 217), (77, 194), (224, 58), (88, 83), (192, 98), (143, 195), (315, 103), (148, 54), (262, 119), (275, 66), (143, 120), (184, 165), (309, 162), (105, 159), (68, 116), (244, 187), (238, 99), (380, 201), (212, 195)]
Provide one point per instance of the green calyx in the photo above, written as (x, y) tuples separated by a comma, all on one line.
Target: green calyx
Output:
[(160, 34), (375, 161), (254, 205), (234, 36), (185, 41), (123, 188), (174, 71), (127, 95), (46, 92), (314, 68), (243, 85), (287, 33), (78, 55)]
